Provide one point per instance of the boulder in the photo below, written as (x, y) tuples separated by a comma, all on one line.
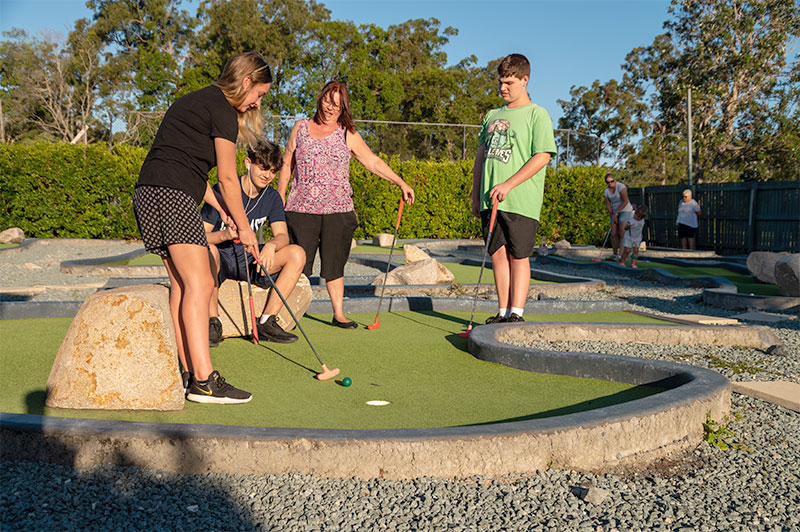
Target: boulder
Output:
[(14, 235), (787, 275), (234, 306), (563, 244), (762, 265), (414, 254), (428, 271), (383, 240), (119, 354)]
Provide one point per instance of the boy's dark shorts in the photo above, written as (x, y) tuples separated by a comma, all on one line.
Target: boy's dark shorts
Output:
[(330, 233), (515, 231), (686, 231), (232, 266)]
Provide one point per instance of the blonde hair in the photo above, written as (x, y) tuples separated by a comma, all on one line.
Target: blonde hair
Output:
[(230, 81)]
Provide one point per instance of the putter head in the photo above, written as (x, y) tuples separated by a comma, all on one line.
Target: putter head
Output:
[(375, 325), (327, 373), (465, 334)]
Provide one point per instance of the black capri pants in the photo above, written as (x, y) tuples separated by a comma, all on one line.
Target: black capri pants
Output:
[(330, 233)]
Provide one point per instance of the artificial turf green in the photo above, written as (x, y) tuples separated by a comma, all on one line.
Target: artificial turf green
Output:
[(745, 284), (151, 259), (415, 360)]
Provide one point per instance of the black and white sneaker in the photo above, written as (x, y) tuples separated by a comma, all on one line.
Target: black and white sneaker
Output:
[(272, 332), (497, 318), (216, 391), (214, 331), (513, 318)]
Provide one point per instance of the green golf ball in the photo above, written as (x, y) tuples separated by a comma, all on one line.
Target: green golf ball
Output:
[(346, 381)]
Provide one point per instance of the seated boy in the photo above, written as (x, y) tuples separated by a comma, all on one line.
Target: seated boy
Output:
[(515, 145), (261, 203)]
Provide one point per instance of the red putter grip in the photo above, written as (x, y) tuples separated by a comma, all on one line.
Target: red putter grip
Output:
[(399, 213), (494, 215)]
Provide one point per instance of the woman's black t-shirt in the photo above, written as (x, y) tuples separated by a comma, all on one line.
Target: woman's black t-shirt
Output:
[(183, 151)]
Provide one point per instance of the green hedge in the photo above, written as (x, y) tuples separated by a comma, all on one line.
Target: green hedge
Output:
[(75, 191)]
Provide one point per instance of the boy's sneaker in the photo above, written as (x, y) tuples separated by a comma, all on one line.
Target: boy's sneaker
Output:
[(495, 319), (215, 390), (214, 331), (272, 332), (514, 318)]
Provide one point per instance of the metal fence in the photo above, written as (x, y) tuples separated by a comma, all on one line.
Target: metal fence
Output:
[(735, 218), (428, 140)]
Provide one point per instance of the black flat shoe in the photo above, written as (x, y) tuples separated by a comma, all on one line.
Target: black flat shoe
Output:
[(344, 324)]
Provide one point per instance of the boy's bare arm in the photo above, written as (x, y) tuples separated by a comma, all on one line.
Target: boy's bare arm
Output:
[(528, 170), (218, 237), (477, 173)]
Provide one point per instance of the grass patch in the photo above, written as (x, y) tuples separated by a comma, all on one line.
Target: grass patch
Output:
[(736, 367), (431, 381)]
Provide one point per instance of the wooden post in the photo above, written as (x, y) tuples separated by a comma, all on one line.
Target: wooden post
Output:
[(751, 233)]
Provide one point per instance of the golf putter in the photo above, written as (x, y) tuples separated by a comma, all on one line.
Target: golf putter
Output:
[(492, 219), (376, 323)]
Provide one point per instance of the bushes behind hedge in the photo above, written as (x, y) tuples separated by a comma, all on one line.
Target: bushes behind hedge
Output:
[(76, 191)]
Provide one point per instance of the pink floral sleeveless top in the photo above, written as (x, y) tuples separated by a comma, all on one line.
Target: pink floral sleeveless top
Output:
[(321, 182)]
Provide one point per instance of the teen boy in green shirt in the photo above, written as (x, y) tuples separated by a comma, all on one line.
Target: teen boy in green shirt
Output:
[(515, 145)]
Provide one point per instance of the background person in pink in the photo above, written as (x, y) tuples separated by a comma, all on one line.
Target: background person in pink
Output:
[(319, 210)]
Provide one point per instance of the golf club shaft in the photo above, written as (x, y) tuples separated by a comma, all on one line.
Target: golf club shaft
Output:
[(608, 234), (285, 304), (249, 294), (391, 250), (492, 219)]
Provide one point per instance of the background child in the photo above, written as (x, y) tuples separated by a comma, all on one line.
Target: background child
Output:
[(261, 203), (633, 235), (515, 145)]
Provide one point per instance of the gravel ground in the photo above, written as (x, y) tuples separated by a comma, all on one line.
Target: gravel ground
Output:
[(756, 487)]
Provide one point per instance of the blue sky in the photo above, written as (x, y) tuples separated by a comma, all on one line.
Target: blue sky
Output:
[(569, 42)]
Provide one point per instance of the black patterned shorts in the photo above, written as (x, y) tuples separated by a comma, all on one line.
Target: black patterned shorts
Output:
[(167, 216)]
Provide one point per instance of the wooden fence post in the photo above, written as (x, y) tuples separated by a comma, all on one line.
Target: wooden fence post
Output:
[(751, 233)]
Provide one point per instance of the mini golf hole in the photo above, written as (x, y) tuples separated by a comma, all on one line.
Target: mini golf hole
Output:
[(378, 403)]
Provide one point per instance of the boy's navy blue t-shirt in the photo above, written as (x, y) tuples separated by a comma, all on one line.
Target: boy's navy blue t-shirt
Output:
[(267, 206)]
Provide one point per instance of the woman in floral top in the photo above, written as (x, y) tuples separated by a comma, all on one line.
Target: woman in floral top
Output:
[(319, 210)]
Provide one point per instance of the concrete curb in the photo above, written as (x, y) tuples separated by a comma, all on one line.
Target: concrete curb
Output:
[(722, 298)]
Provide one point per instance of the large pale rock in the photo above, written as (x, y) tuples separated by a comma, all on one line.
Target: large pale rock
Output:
[(234, 306), (762, 265), (119, 354), (428, 271), (414, 254), (383, 240), (563, 244), (787, 275), (14, 235)]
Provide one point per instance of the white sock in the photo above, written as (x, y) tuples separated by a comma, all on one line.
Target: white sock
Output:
[(518, 311), (502, 312), (264, 318)]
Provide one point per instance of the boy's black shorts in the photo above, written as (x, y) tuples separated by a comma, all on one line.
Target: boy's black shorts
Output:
[(515, 231), (232, 266)]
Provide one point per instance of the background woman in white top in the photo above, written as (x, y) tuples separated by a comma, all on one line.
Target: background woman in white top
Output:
[(619, 210), (688, 211)]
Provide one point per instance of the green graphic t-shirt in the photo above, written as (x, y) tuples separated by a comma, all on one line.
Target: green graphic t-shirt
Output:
[(512, 137)]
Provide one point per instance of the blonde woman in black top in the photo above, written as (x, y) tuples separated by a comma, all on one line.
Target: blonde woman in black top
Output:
[(199, 131)]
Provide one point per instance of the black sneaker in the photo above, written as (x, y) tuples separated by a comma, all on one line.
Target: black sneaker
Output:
[(215, 390), (214, 331), (495, 319), (514, 318), (272, 332)]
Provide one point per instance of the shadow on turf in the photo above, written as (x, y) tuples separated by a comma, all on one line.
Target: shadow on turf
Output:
[(632, 394), (266, 346)]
